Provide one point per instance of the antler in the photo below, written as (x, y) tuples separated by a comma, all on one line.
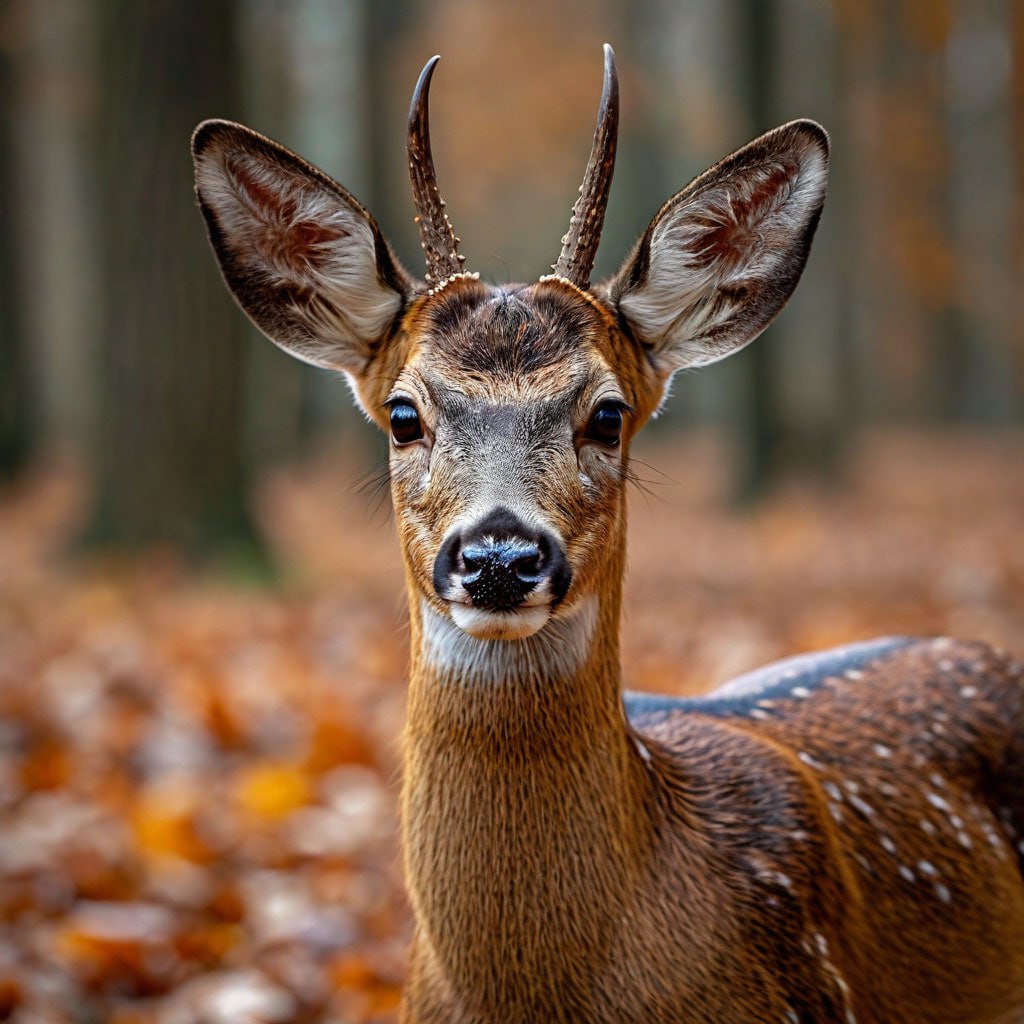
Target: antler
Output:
[(440, 246), (579, 246)]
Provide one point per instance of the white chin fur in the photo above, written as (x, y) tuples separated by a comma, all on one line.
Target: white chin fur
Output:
[(490, 625)]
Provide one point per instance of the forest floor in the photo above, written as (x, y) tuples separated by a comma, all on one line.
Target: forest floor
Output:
[(198, 779)]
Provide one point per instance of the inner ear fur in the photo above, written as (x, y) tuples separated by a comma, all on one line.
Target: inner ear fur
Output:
[(302, 257), (721, 257)]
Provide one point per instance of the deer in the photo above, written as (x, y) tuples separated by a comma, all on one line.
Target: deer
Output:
[(836, 837)]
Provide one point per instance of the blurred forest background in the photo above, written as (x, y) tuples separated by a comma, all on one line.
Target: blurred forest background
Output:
[(202, 647)]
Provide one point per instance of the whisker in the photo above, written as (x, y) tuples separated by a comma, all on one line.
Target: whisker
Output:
[(665, 478), (642, 484), (374, 485)]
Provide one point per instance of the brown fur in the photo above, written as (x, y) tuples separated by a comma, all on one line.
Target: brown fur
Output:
[(842, 852)]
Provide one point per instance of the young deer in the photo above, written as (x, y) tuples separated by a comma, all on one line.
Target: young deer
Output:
[(835, 838)]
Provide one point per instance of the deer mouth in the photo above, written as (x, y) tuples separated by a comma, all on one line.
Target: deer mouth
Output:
[(500, 623)]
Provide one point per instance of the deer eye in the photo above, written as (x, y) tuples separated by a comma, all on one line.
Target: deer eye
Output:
[(405, 422), (605, 424)]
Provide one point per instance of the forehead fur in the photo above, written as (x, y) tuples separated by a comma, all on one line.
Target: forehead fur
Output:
[(510, 331)]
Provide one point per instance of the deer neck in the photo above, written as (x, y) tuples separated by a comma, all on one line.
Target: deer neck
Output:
[(522, 794)]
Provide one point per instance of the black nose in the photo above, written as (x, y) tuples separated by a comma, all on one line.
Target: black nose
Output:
[(499, 561)]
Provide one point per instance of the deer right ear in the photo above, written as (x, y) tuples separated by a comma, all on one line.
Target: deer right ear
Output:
[(305, 261), (722, 257)]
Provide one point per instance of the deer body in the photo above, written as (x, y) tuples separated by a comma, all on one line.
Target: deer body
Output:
[(837, 839), (703, 864)]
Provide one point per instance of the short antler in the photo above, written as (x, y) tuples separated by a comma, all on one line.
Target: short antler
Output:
[(440, 246), (579, 246)]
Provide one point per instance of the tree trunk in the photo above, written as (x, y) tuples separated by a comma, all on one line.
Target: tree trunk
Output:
[(170, 464), (16, 403), (1017, 191)]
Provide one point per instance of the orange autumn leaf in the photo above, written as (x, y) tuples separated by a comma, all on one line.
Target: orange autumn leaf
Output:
[(336, 742), (45, 766), (126, 945), (209, 944), (270, 790), (164, 824), (353, 971)]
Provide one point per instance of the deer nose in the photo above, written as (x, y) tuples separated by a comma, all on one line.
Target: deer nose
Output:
[(499, 561), (500, 574)]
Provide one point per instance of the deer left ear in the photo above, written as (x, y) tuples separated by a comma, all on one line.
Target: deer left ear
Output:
[(722, 257), (300, 254)]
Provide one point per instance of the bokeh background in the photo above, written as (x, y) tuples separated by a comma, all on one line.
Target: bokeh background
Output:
[(202, 641)]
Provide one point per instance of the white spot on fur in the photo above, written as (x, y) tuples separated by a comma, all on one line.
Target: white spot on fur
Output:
[(881, 750), (862, 805), (943, 893), (776, 878), (844, 989), (863, 862), (642, 749), (810, 761)]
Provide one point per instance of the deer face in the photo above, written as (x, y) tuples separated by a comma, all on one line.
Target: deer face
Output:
[(510, 410), (510, 423)]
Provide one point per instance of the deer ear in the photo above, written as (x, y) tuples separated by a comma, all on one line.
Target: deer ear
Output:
[(722, 257), (305, 261)]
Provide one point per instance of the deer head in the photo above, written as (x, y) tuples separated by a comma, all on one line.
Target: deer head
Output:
[(510, 409)]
